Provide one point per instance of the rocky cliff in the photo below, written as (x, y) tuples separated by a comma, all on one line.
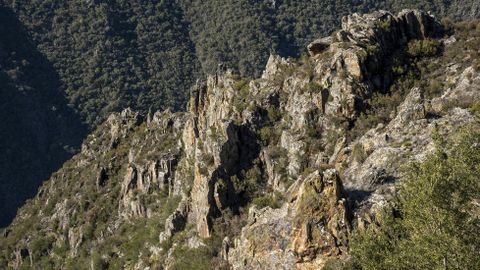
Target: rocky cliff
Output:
[(272, 173)]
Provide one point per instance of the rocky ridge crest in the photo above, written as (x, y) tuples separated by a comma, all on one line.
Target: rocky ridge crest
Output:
[(280, 139)]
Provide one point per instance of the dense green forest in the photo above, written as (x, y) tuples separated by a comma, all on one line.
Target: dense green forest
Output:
[(66, 65), (111, 54), (37, 125)]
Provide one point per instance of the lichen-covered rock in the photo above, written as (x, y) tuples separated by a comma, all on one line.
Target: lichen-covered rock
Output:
[(466, 88), (267, 173), (321, 225), (265, 242), (301, 234), (358, 54), (176, 221)]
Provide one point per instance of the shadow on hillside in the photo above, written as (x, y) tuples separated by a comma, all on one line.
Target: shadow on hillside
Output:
[(38, 131)]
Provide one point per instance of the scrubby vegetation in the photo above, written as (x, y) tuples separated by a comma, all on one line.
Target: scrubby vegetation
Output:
[(423, 64), (127, 66), (434, 222), (112, 55), (78, 61), (81, 207)]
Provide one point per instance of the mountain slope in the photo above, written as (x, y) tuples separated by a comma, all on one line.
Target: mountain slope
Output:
[(39, 131), (104, 56), (257, 174), (112, 54)]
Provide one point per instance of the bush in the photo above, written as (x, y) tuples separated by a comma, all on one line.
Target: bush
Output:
[(274, 114), (435, 88), (313, 87), (274, 201), (475, 109), (192, 259), (424, 48), (358, 153), (338, 264), (267, 135), (385, 25), (41, 246), (435, 221), (248, 183), (241, 86)]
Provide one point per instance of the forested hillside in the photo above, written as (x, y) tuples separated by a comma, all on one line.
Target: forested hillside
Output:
[(361, 155), (146, 54), (37, 127), (89, 58)]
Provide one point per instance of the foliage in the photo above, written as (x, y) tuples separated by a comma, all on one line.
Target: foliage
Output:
[(192, 259), (338, 264), (39, 131), (248, 182), (111, 55), (475, 109), (358, 153), (424, 47), (69, 62), (436, 217), (385, 24), (271, 200)]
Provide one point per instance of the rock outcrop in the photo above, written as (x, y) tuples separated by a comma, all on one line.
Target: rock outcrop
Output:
[(313, 226), (265, 173), (360, 53)]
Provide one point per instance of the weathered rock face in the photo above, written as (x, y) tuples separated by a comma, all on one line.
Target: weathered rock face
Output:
[(271, 160), (219, 144), (322, 224), (466, 88), (313, 226), (360, 52), (207, 132), (319, 45), (145, 176), (388, 149), (264, 242), (176, 221)]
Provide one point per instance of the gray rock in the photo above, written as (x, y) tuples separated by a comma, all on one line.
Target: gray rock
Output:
[(319, 45)]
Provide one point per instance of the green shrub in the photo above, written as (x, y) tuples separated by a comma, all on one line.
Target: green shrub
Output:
[(424, 48), (435, 220), (98, 263), (240, 84), (248, 182), (385, 24), (313, 86), (267, 135), (475, 109), (192, 259), (274, 114), (338, 264), (358, 153), (41, 245), (272, 200), (435, 88)]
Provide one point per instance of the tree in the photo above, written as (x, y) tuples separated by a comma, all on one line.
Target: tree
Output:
[(436, 219)]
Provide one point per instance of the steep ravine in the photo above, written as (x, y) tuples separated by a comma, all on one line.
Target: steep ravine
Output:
[(272, 173)]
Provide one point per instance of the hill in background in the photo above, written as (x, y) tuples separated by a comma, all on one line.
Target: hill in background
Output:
[(67, 65)]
